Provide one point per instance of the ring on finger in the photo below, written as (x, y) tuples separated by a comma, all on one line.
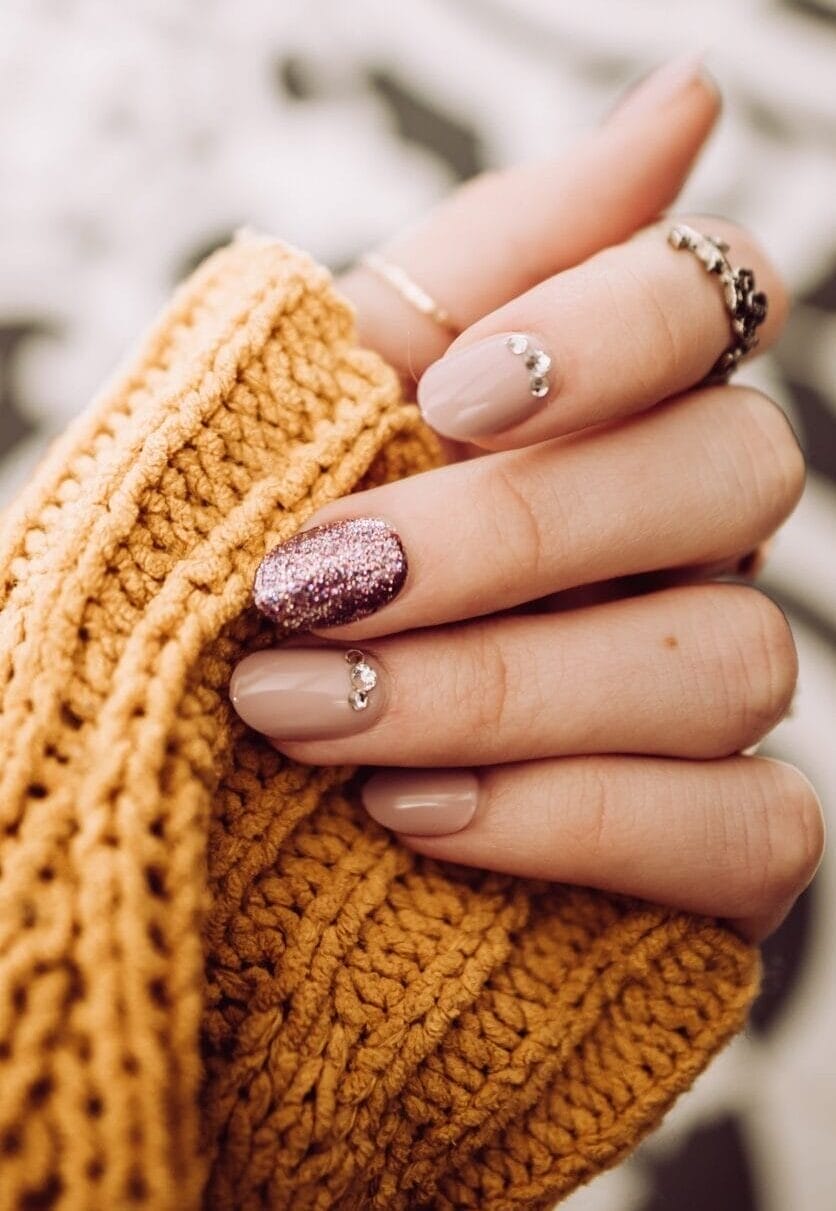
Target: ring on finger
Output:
[(409, 290), (747, 307)]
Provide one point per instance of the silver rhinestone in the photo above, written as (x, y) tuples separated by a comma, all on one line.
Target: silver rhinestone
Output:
[(357, 700), (517, 343), (538, 362), (539, 386), (363, 677)]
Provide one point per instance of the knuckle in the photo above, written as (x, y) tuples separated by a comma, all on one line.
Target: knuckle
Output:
[(664, 338), (783, 837), (484, 679), (518, 543), (765, 664), (775, 662), (596, 820), (750, 672), (625, 293), (774, 459)]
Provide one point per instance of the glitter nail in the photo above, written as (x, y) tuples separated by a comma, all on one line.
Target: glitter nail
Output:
[(331, 574)]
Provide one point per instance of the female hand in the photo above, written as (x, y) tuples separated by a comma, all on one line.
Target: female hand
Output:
[(596, 744)]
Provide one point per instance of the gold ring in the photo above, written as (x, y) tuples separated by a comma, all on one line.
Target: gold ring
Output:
[(409, 290)]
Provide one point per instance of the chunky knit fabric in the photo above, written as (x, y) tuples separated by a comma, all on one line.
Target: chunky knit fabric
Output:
[(221, 985)]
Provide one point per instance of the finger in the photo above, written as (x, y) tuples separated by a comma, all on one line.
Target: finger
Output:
[(695, 481), (745, 567), (701, 672), (738, 838), (631, 326), (502, 232)]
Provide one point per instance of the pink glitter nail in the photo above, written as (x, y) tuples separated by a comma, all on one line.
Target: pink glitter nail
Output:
[(331, 574)]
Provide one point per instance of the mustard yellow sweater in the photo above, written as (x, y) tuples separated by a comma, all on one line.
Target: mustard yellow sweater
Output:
[(221, 985)]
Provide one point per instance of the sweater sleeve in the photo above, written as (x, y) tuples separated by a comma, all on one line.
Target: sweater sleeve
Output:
[(221, 985)]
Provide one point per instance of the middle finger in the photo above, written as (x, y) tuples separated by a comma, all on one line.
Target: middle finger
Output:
[(696, 481)]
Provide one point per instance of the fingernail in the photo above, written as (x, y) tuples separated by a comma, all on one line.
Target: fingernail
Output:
[(426, 803), (487, 387), (306, 693), (664, 84), (331, 574)]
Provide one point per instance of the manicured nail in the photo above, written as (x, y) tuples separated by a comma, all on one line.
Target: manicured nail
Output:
[(306, 693), (664, 85), (487, 387), (331, 574), (426, 803)]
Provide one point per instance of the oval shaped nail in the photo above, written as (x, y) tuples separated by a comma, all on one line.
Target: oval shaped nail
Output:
[(425, 803), (306, 693), (486, 387), (331, 574)]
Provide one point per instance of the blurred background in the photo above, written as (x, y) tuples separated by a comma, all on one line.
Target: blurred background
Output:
[(136, 137)]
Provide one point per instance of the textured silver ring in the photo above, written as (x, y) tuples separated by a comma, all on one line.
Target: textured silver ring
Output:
[(747, 307)]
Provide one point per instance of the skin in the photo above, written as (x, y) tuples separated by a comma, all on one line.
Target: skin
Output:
[(605, 726)]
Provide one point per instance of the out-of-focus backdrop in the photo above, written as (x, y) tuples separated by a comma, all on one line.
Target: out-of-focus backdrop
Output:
[(134, 137)]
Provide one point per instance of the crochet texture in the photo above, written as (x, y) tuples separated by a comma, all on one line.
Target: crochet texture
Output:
[(221, 985)]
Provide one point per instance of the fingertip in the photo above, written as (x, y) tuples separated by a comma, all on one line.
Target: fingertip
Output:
[(419, 804), (683, 79)]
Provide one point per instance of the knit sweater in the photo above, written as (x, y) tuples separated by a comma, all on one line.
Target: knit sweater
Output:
[(221, 984)]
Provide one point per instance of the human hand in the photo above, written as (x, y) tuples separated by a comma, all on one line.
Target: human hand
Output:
[(595, 743)]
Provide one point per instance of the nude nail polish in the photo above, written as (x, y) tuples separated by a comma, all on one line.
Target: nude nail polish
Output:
[(306, 693), (487, 387), (425, 803), (331, 574)]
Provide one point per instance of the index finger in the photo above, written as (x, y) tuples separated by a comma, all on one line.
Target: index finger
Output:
[(637, 323), (503, 232)]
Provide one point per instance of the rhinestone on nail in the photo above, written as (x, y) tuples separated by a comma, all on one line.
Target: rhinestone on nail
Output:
[(517, 343), (363, 679), (537, 362)]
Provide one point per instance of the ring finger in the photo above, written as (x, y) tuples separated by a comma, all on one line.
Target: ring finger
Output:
[(634, 324), (694, 672)]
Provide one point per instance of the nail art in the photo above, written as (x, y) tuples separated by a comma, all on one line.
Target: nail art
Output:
[(487, 387), (306, 693), (537, 362), (331, 574), (362, 677)]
